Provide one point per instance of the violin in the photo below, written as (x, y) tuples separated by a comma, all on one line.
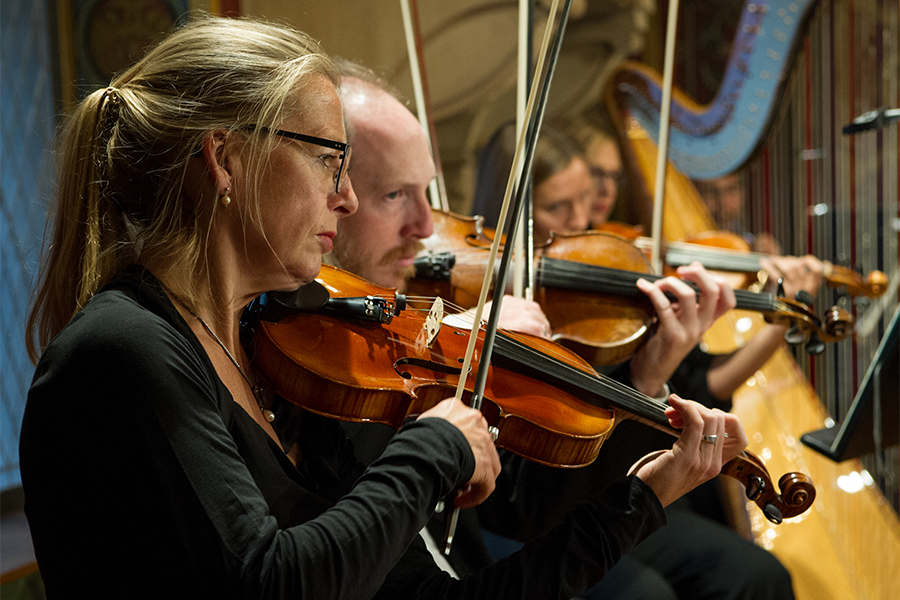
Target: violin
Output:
[(587, 288), (388, 362), (728, 252)]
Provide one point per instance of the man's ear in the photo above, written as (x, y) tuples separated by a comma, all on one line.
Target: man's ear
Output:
[(216, 154)]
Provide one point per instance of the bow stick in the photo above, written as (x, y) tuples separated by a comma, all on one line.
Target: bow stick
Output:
[(523, 269), (437, 192), (663, 148), (535, 111)]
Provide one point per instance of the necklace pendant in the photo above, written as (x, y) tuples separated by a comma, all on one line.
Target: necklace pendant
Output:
[(269, 415)]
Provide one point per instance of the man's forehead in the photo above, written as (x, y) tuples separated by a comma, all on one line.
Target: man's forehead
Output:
[(389, 144)]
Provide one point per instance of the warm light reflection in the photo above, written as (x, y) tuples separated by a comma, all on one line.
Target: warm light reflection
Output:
[(743, 324), (855, 481), (766, 454)]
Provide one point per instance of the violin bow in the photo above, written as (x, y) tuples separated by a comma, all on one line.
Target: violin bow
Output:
[(437, 191), (523, 265), (524, 157), (663, 146)]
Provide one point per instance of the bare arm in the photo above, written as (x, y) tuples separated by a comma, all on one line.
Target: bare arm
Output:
[(729, 372)]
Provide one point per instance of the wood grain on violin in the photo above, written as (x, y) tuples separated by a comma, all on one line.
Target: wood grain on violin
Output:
[(546, 403)]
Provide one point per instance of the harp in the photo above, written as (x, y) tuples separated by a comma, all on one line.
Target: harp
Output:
[(798, 72)]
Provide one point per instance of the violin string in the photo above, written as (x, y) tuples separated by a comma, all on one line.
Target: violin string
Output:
[(603, 278), (557, 355), (565, 370), (561, 367), (458, 311), (617, 392)]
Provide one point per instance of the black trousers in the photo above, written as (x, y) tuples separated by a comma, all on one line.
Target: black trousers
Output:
[(691, 558)]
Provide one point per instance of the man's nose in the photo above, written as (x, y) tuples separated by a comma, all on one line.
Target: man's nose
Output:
[(419, 223)]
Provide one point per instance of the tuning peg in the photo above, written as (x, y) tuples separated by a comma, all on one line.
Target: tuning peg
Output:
[(773, 514), (815, 346), (779, 291), (793, 336), (755, 487), (804, 297)]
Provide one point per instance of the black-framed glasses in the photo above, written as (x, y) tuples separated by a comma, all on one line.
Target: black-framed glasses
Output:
[(343, 147), (601, 174)]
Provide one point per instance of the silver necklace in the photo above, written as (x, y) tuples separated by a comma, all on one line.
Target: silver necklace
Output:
[(258, 392)]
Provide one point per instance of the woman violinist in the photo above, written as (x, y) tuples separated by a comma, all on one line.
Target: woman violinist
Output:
[(563, 197), (692, 557), (208, 173)]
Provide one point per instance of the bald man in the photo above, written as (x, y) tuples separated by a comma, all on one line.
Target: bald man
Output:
[(394, 213)]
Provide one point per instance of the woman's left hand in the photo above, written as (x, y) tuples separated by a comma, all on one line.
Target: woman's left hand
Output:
[(682, 323), (709, 438)]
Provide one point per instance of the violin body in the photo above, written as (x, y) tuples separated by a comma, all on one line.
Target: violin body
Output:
[(629, 232), (470, 244), (386, 373), (602, 328)]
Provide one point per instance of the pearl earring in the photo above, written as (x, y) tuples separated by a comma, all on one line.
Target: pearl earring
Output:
[(225, 199)]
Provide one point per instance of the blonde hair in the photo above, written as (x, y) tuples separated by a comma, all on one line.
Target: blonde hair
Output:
[(590, 128), (125, 152)]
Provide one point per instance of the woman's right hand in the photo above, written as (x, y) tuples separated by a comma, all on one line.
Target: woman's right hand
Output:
[(474, 426)]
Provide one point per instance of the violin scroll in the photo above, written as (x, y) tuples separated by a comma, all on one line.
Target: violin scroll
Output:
[(804, 325), (797, 495), (872, 286)]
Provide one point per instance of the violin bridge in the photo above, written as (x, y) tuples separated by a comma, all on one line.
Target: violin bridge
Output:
[(433, 321)]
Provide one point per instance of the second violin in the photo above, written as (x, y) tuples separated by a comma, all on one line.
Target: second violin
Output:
[(586, 286)]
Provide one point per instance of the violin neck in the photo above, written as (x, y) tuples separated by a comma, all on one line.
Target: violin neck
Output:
[(589, 387), (570, 275), (714, 259)]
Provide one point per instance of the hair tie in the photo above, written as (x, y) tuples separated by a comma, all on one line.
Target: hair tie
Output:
[(108, 115), (109, 108), (110, 102)]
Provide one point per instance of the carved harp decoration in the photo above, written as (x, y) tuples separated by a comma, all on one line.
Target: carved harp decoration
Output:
[(713, 140)]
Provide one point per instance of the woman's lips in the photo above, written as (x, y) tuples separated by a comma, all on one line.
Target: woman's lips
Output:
[(327, 240)]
